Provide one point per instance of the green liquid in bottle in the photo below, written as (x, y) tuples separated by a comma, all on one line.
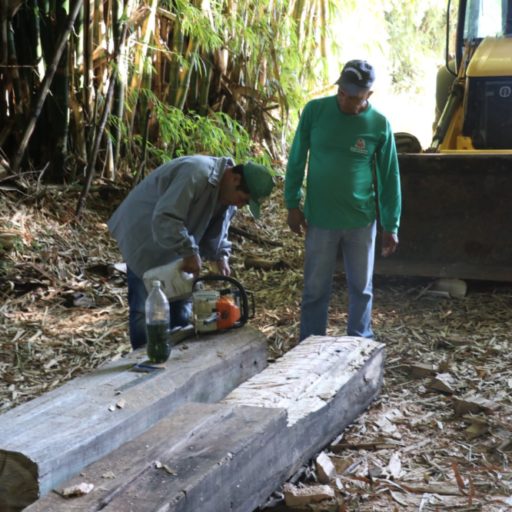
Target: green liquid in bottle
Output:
[(158, 347)]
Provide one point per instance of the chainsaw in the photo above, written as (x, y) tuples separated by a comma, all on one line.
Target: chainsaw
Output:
[(217, 308), (219, 303)]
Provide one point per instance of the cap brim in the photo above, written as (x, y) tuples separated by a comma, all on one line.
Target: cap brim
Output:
[(351, 89), (254, 208)]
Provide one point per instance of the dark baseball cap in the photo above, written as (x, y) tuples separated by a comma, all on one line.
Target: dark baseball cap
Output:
[(356, 77)]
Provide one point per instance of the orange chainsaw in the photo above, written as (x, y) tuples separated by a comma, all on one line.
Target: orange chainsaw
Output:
[(219, 303), (217, 308)]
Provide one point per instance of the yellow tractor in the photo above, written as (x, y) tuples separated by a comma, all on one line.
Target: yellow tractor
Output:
[(457, 194)]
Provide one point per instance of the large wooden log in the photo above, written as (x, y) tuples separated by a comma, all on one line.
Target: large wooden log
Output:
[(46, 441), (232, 456), (196, 459), (324, 384)]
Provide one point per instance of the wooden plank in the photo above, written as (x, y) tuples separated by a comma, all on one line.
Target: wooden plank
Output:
[(324, 384), (232, 456), (185, 459), (46, 441)]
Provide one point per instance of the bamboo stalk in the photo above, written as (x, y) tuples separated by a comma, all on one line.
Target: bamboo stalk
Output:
[(58, 101), (12, 60), (87, 63), (4, 108), (185, 74), (45, 87), (78, 116), (176, 50), (141, 171), (118, 108), (203, 87), (89, 174), (4, 29), (140, 61)]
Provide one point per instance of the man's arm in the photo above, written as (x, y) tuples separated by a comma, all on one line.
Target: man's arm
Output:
[(215, 244), (295, 171), (390, 198)]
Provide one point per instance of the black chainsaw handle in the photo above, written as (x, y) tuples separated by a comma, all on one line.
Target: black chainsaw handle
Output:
[(244, 309)]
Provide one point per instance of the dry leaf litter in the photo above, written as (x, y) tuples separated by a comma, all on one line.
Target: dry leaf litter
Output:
[(438, 438)]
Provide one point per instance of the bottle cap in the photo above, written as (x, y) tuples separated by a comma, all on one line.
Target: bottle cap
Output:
[(156, 282)]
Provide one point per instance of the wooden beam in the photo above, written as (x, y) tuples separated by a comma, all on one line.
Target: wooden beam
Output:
[(233, 455), (324, 384), (46, 441), (188, 459)]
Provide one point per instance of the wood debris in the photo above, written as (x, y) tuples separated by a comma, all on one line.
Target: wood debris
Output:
[(75, 491), (468, 421), (165, 467), (478, 426), (443, 382), (420, 370), (325, 468), (121, 403), (394, 467), (473, 404), (299, 496)]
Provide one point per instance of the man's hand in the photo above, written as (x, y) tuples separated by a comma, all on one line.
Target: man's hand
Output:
[(192, 264), (223, 266), (389, 243), (297, 221)]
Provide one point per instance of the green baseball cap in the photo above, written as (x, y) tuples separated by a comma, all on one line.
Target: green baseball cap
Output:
[(260, 182)]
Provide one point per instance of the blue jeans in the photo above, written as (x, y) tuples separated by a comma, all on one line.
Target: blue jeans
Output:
[(322, 246), (137, 294)]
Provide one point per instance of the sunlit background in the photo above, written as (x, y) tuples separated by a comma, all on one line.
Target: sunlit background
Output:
[(406, 62)]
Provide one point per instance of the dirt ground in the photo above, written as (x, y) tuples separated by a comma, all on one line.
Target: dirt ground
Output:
[(437, 439)]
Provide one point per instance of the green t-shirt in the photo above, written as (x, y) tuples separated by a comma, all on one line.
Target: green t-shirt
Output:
[(340, 191)]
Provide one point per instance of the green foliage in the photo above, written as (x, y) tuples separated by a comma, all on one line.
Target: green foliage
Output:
[(266, 46), (186, 133), (195, 23), (416, 30), (248, 65)]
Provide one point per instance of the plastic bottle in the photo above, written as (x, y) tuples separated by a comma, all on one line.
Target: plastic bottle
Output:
[(157, 324)]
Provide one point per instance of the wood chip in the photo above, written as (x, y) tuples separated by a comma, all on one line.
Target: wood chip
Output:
[(326, 470), (394, 467), (121, 404), (473, 404), (420, 370), (478, 427), (74, 491), (443, 382), (300, 496)]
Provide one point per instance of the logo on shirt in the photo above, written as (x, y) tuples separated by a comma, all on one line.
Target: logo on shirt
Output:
[(359, 147)]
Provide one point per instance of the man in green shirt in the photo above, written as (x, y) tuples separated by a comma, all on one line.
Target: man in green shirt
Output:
[(341, 139)]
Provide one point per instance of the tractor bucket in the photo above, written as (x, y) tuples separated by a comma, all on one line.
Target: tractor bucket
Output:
[(456, 217)]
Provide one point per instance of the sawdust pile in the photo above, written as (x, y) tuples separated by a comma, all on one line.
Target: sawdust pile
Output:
[(438, 438)]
